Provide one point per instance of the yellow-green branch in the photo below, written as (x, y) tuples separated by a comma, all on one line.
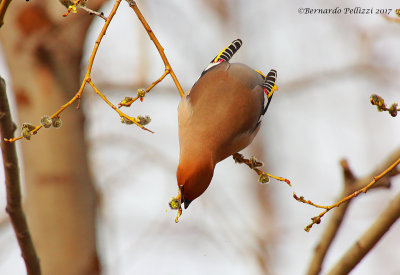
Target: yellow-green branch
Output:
[(160, 49)]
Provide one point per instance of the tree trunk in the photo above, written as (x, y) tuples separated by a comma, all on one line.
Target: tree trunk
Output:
[(43, 52)]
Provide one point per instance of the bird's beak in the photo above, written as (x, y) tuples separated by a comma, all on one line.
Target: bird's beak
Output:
[(185, 201)]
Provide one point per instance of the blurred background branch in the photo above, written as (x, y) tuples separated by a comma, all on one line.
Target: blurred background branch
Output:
[(3, 8), (369, 239), (13, 187), (351, 184)]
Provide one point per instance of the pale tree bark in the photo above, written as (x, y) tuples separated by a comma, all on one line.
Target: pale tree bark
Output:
[(43, 52)]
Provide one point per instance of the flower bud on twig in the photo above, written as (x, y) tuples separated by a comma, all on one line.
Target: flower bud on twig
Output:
[(26, 134), (393, 109), (127, 102), (68, 3), (141, 93), (254, 163), (143, 120), (126, 121), (46, 121), (174, 203), (56, 122), (378, 101), (28, 126), (263, 178), (27, 129)]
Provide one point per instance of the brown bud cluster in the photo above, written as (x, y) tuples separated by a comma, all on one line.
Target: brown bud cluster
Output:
[(174, 203), (126, 121), (126, 102), (141, 93), (46, 121), (393, 109), (263, 178), (27, 129), (143, 120), (254, 163), (68, 3), (56, 122), (379, 102)]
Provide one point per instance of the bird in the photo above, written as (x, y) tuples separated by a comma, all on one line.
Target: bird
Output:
[(218, 117)]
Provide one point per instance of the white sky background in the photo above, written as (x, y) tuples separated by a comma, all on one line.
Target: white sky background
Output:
[(320, 114)]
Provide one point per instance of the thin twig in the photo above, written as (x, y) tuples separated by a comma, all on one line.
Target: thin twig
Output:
[(160, 49), (380, 104), (368, 240), (122, 115), (333, 226), (391, 19), (87, 79), (13, 189), (92, 12), (3, 8), (127, 102), (317, 219), (253, 164), (157, 81), (59, 111)]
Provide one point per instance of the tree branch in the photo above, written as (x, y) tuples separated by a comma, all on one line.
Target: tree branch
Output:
[(3, 8), (11, 171), (334, 224), (168, 68), (368, 240), (317, 219), (351, 184), (391, 19), (87, 79)]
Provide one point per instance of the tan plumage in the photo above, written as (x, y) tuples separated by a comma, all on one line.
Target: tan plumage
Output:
[(217, 118)]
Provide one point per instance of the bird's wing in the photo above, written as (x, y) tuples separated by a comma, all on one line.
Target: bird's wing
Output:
[(223, 109)]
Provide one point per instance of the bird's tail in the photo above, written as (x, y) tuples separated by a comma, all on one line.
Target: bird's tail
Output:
[(269, 83), (227, 53), (270, 87)]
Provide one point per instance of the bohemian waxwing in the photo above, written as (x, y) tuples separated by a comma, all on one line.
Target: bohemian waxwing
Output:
[(218, 117)]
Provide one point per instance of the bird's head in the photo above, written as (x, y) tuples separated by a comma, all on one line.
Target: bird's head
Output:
[(193, 179)]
